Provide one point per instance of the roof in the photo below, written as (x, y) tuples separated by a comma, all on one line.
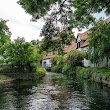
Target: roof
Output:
[(83, 36), (49, 57), (84, 44), (107, 20), (72, 46)]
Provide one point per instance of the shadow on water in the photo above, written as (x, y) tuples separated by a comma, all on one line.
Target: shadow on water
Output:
[(54, 92)]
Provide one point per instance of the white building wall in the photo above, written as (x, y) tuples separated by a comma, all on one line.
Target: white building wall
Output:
[(46, 63), (104, 63), (87, 63)]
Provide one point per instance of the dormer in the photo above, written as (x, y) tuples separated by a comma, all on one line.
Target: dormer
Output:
[(78, 39)]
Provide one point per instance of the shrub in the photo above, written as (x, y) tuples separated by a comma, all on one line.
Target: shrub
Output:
[(74, 58), (65, 69), (41, 72), (54, 61), (55, 69), (57, 64)]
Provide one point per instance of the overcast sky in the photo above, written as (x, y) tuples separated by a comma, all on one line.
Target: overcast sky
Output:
[(19, 22)]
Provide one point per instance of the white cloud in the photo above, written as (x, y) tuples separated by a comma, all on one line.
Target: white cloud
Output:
[(19, 22)]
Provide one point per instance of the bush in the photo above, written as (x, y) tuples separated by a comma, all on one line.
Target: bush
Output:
[(94, 74), (57, 64), (55, 69), (54, 61), (41, 72), (66, 69), (74, 58)]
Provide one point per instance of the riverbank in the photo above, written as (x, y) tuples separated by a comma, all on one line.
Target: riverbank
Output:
[(99, 75), (5, 79), (8, 74)]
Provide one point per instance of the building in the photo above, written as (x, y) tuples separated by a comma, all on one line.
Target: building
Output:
[(79, 43)]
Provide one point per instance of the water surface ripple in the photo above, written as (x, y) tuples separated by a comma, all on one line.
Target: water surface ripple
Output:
[(54, 92)]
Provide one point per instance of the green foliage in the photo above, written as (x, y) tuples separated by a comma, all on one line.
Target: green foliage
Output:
[(75, 13), (66, 64), (57, 63), (3, 77), (54, 61), (101, 75), (4, 36), (55, 69), (74, 58), (54, 38), (22, 55), (37, 8), (66, 69), (61, 15), (40, 72), (99, 42)]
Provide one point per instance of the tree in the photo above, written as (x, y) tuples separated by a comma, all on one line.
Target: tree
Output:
[(22, 55), (4, 35), (73, 12), (99, 42), (4, 38), (55, 39), (63, 14)]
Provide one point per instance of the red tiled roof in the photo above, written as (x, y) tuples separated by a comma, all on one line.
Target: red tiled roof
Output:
[(84, 44), (49, 56), (72, 46), (83, 36), (107, 20)]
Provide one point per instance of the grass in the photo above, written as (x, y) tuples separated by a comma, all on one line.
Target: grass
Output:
[(94, 73), (3, 77)]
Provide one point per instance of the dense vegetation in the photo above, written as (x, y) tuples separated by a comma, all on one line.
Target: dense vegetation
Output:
[(4, 36), (62, 15), (67, 12), (99, 42), (18, 56), (66, 64), (99, 75)]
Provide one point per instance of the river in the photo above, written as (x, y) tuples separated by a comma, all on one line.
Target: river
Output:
[(54, 92)]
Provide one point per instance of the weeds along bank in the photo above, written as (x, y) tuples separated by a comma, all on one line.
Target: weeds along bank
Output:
[(72, 64), (10, 75), (99, 75), (66, 64)]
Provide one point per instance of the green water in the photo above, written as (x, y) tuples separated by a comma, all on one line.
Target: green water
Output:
[(54, 92)]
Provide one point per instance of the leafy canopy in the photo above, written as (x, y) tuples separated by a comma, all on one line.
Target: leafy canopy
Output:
[(4, 34), (54, 39), (4, 38), (61, 15), (99, 41), (73, 12), (22, 54)]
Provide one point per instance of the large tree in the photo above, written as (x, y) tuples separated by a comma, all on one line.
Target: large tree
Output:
[(4, 33), (22, 54), (4, 37), (54, 38), (61, 15), (99, 42), (76, 12)]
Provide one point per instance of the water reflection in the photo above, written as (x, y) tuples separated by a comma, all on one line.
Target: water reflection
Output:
[(55, 92)]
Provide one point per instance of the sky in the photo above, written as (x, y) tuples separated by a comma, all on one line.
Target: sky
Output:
[(19, 21)]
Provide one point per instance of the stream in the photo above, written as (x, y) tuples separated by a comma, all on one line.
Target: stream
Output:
[(54, 92)]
